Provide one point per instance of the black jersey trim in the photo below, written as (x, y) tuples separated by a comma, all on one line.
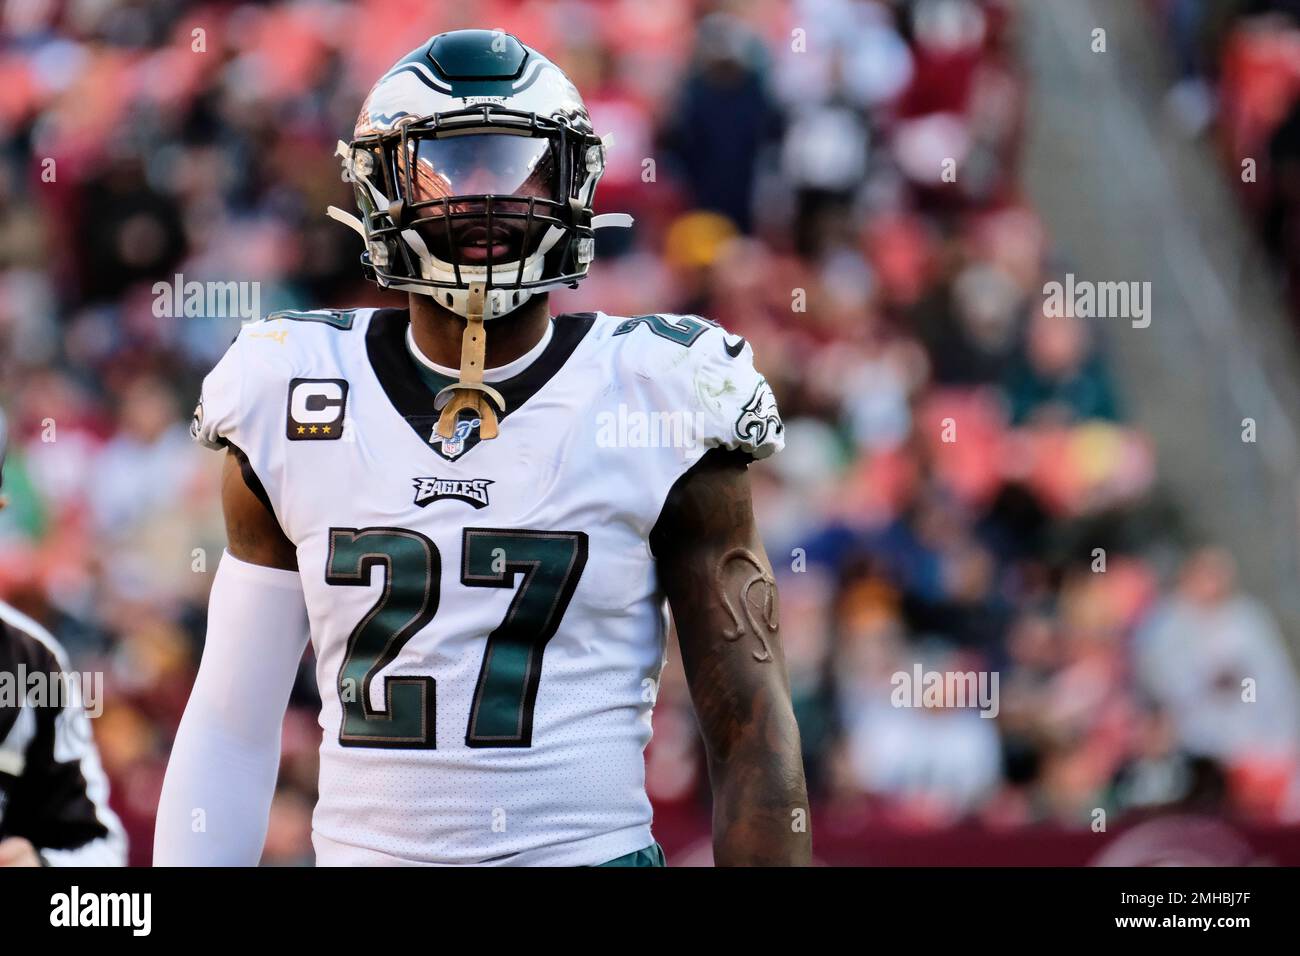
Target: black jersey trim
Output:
[(249, 475), (254, 483), (411, 388)]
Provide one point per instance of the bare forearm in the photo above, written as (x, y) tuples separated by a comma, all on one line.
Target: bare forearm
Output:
[(720, 585), (760, 801), (736, 666)]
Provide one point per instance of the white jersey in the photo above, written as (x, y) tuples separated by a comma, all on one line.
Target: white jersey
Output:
[(486, 619)]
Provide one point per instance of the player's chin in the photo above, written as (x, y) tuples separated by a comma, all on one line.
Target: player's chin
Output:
[(474, 244), (477, 254)]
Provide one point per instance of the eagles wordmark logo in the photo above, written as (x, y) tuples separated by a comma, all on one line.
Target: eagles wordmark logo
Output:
[(473, 491)]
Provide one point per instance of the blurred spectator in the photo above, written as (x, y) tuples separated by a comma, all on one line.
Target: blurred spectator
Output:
[(723, 118), (1059, 377), (1238, 74), (1161, 775), (1214, 658)]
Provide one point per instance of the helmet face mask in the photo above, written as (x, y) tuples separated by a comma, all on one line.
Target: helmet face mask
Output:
[(497, 192)]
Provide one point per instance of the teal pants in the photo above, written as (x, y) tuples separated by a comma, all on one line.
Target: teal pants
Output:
[(653, 855)]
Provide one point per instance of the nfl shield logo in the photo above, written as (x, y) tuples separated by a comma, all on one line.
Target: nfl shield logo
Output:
[(463, 438)]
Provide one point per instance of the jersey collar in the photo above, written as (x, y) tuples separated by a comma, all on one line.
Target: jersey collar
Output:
[(490, 375), (411, 385)]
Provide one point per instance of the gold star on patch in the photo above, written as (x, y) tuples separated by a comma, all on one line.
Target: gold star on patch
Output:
[(301, 430), (313, 429), (325, 429)]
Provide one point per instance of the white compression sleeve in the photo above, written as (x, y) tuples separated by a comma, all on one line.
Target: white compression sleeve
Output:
[(217, 793)]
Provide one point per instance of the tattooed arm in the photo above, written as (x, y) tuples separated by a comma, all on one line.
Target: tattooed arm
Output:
[(719, 583)]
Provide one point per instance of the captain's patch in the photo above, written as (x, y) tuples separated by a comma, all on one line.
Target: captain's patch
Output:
[(316, 409)]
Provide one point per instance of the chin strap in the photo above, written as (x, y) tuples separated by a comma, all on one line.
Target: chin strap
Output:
[(349, 220), (470, 391), (612, 220)]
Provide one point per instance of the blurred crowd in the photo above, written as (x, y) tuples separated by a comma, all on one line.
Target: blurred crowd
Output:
[(1237, 66), (834, 179)]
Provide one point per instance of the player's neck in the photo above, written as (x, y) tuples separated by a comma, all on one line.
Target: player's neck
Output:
[(438, 331)]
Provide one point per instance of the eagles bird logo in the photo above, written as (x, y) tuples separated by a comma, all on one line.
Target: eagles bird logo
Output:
[(759, 417)]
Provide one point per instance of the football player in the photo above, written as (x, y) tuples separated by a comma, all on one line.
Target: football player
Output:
[(477, 509), (53, 793)]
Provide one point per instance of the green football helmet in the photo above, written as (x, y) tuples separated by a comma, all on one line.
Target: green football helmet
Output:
[(473, 160)]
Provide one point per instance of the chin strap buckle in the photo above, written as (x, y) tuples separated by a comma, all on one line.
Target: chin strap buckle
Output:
[(470, 391)]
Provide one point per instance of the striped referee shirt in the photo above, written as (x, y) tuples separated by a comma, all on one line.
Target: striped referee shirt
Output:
[(52, 788)]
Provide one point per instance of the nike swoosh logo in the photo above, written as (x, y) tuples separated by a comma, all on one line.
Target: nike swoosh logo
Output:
[(734, 350)]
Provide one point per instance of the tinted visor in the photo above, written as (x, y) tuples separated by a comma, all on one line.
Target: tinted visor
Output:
[(480, 164), (497, 164)]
